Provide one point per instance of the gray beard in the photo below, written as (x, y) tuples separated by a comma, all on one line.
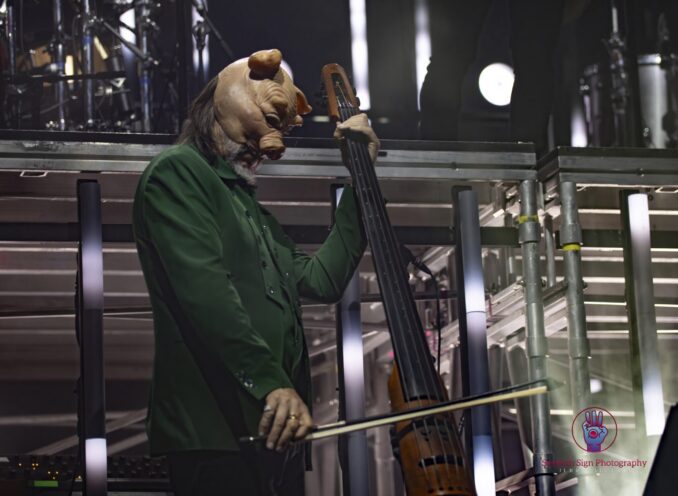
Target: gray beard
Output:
[(247, 174), (232, 151)]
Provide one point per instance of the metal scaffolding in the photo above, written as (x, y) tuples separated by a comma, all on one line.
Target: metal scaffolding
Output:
[(520, 315)]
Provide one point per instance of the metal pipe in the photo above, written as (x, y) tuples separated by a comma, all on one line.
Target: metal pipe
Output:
[(496, 356), (578, 343), (517, 362), (645, 364), (537, 348), (353, 453), (579, 349), (550, 249), (11, 38), (183, 14), (88, 62), (383, 451), (90, 302), (59, 54), (509, 256), (473, 337), (144, 25)]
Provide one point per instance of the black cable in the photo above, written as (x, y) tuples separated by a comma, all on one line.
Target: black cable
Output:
[(419, 264)]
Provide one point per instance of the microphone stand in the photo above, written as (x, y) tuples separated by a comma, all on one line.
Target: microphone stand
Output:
[(145, 25), (58, 54), (620, 90), (200, 32), (202, 10)]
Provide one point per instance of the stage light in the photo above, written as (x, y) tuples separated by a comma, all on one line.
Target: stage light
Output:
[(496, 83), (596, 385), (359, 51), (422, 41), (127, 18), (579, 135), (95, 465)]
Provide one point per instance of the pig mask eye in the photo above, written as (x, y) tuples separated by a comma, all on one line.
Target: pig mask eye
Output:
[(273, 120)]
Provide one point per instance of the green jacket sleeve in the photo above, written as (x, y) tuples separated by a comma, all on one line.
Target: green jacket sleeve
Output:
[(179, 220), (324, 275)]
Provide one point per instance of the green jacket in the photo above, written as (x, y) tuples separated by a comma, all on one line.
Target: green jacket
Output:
[(237, 279)]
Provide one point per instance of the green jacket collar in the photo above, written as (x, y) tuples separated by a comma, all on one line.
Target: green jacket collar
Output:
[(225, 171)]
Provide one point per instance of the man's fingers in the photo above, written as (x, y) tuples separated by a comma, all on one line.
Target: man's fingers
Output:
[(358, 128), (279, 422), (359, 133), (291, 427), (267, 416), (305, 424)]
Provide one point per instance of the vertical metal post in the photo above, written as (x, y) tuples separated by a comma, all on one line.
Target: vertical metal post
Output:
[(579, 350), (353, 447), (184, 44), (58, 51), (472, 335), (383, 450), (645, 369), (518, 366), (11, 112), (88, 63), (90, 302), (537, 348), (11, 38), (550, 249), (144, 24), (496, 356)]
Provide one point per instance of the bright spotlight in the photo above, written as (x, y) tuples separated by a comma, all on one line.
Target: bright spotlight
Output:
[(596, 385), (496, 83)]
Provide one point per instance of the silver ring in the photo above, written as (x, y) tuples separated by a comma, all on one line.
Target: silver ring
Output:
[(268, 408)]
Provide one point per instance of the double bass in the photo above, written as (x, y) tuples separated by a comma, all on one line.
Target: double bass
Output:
[(430, 452)]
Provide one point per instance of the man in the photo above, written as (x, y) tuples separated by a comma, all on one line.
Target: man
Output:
[(225, 281)]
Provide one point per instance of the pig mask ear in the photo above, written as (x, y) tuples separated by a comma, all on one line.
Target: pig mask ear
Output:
[(303, 107), (264, 64)]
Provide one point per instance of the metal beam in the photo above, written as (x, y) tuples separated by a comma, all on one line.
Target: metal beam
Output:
[(305, 157), (300, 234)]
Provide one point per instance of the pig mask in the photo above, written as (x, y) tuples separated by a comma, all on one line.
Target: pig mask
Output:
[(255, 104)]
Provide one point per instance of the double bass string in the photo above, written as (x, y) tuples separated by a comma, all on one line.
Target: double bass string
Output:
[(371, 202), (397, 273), (412, 326), (359, 152)]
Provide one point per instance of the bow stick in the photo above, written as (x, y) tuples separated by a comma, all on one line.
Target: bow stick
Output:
[(523, 390)]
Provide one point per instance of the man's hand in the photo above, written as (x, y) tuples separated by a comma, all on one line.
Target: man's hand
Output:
[(359, 129), (285, 417)]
